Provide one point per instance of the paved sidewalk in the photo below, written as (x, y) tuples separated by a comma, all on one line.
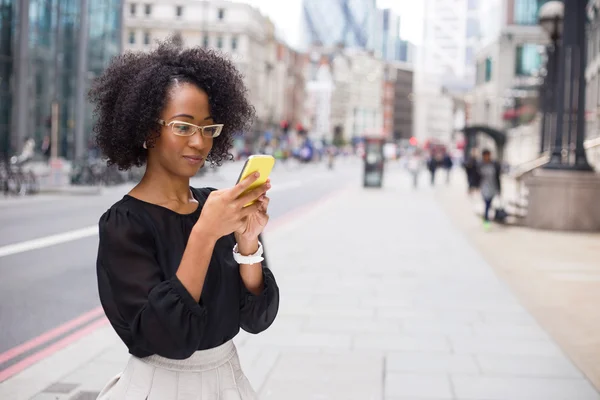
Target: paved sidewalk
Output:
[(382, 298), (556, 275)]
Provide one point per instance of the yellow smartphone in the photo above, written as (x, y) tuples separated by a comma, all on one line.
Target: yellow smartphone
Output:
[(258, 162)]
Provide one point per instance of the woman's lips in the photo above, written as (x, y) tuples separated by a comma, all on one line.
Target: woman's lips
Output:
[(194, 160)]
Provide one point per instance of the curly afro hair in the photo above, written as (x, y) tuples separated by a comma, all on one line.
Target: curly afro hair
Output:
[(131, 93)]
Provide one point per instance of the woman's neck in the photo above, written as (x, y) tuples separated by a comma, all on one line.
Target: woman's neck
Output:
[(163, 186)]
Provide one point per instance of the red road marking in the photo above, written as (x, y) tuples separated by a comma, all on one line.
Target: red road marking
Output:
[(48, 351), (51, 334)]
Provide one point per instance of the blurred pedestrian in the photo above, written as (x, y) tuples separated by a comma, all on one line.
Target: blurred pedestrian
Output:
[(414, 165), (447, 163), (432, 166), (472, 171), (47, 147), (180, 269), (489, 171)]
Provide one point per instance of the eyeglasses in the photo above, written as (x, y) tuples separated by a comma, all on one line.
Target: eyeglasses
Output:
[(180, 128)]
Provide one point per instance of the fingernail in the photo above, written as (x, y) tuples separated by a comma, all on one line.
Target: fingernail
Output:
[(268, 185), (257, 174)]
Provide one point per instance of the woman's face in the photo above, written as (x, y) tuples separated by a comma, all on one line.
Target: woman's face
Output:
[(183, 155)]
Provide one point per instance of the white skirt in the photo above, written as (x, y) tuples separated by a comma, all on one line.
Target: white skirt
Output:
[(213, 374)]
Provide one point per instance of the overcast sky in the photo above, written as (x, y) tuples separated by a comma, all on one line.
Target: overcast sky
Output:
[(287, 17)]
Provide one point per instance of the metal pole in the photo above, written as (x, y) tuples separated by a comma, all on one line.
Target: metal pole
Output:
[(22, 76), (58, 66), (581, 162), (82, 67), (559, 106), (54, 131)]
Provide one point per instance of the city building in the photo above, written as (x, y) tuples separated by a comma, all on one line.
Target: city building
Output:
[(593, 83), (443, 69), (508, 60), (319, 91), (389, 24), (400, 76), (356, 108), (290, 100), (237, 29), (46, 69), (406, 52), (351, 23)]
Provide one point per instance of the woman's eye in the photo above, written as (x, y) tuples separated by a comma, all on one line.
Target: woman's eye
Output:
[(182, 128)]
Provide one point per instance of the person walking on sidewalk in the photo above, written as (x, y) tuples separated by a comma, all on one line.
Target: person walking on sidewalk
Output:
[(414, 165), (472, 172), (489, 171), (180, 270)]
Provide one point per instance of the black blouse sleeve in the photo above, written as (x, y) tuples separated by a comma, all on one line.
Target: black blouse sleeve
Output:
[(152, 314), (257, 312)]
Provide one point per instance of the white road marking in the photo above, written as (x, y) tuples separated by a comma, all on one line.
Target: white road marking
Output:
[(47, 241), (82, 233)]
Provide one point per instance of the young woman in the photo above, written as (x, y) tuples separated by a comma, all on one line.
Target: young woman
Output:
[(180, 270)]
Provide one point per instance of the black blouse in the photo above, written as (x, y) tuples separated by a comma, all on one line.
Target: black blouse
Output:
[(141, 246)]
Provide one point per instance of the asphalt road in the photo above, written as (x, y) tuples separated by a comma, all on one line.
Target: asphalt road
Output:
[(44, 286)]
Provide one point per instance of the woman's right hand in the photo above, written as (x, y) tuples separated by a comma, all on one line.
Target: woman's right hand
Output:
[(223, 212)]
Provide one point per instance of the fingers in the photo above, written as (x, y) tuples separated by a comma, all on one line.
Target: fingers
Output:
[(253, 195), (264, 203), (251, 209), (241, 187)]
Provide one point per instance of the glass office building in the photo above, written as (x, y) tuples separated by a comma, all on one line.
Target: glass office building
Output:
[(43, 61), (352, 23)]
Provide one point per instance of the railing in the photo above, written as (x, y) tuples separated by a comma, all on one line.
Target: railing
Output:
[(526, 168), (591, 143), (529, 166)]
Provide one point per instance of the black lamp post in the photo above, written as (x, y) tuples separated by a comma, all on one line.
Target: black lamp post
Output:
[(566, 25)]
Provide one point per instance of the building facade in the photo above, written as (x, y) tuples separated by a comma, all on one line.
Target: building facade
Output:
[(389, 24), (509, 62), (593, 83), (356, 107), (351, 23), (444, 69), (402, 127), (49, 51)]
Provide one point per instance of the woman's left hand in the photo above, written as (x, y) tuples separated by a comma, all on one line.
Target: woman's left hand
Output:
[(255, 223)]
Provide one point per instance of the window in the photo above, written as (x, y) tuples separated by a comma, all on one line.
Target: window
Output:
[(470, 56), (131, 37), (148, 9), (132, 9), (205, 41), (528, 60), (488, 69), (526, 11), (220, 42), (179, 11), (221, 14), (234, 43), (146, 38), (472, 28)]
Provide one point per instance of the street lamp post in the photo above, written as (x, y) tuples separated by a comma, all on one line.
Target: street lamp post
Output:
[(566, 23)]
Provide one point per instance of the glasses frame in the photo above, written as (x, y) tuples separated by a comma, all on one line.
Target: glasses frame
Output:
[(198, 128)]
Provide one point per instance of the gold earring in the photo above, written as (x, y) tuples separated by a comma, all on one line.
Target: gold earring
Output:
[(144, 145)]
